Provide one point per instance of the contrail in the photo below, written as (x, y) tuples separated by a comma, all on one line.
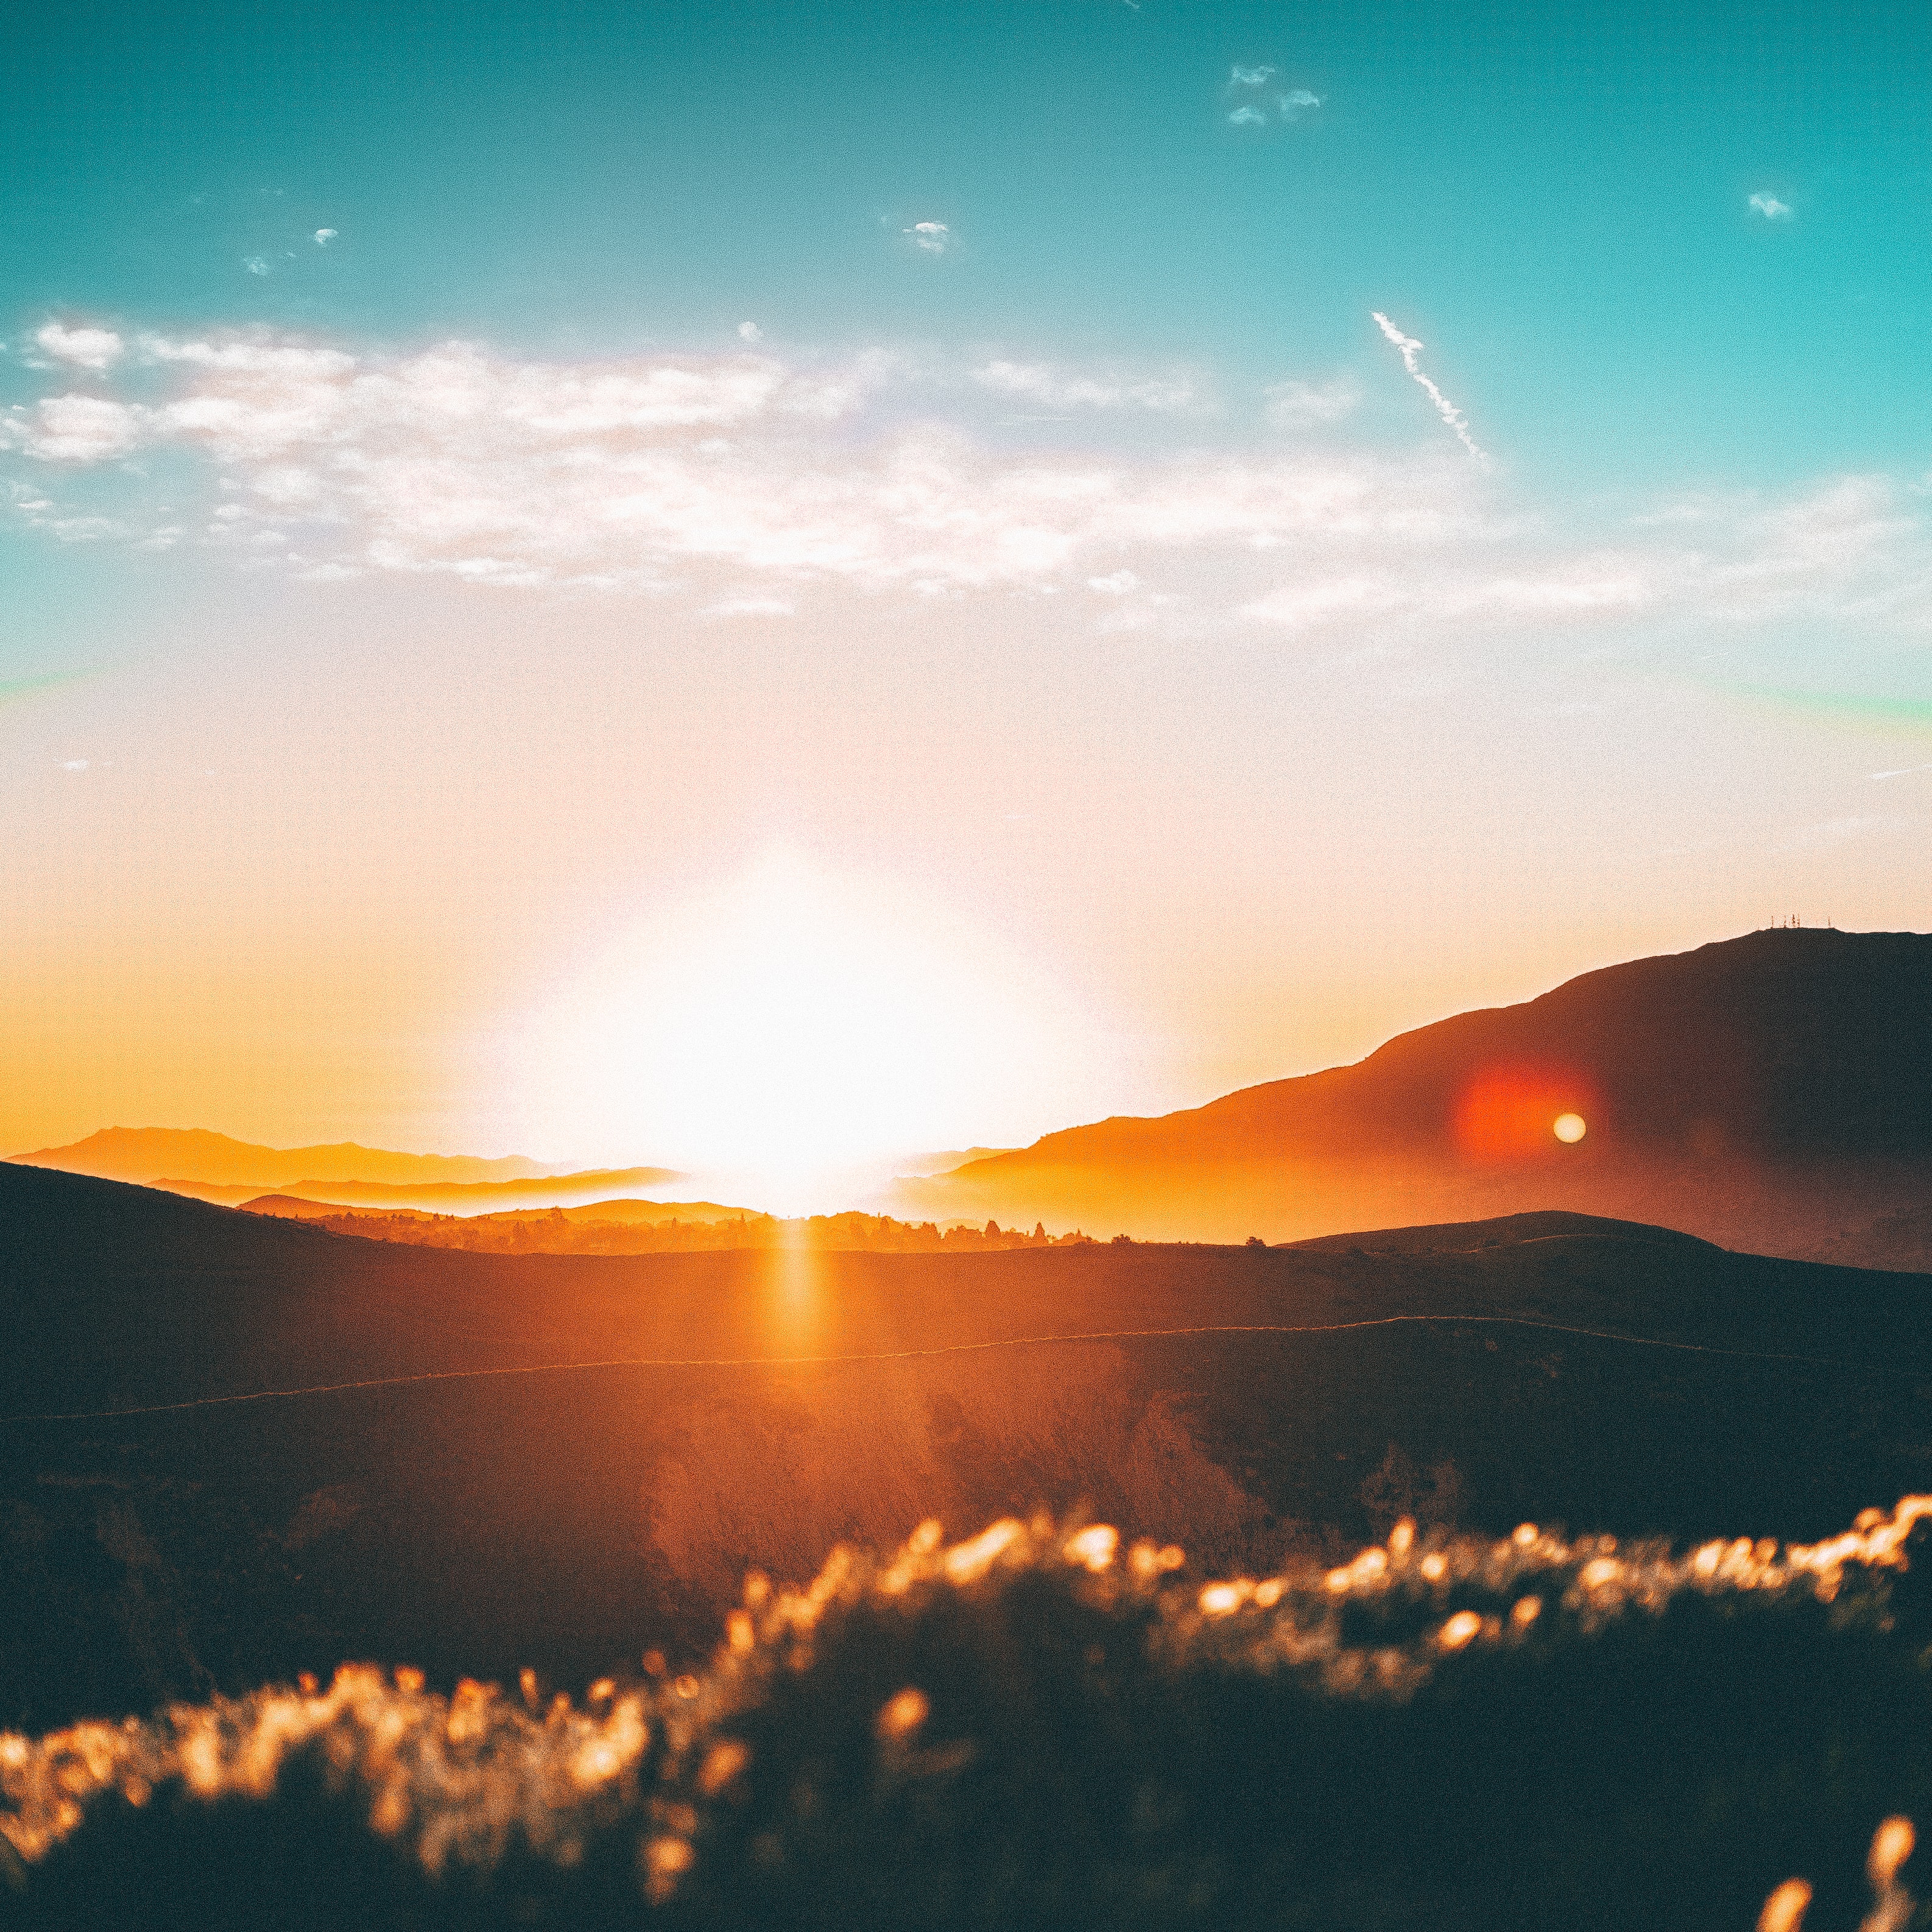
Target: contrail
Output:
[(1408, 348)]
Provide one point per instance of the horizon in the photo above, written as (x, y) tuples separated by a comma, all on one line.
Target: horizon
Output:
[(764, 593), (863, 1188)]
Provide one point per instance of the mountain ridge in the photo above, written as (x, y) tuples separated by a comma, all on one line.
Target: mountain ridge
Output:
[(1761, 1091)]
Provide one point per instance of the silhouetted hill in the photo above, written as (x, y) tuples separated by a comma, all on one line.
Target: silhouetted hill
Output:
[(477, 1462), (644, 1214), (1764, 1092), (145, 1154), (1901, 1241), (562, 1189)]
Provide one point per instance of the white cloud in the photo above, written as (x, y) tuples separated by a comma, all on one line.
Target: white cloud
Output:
[(932, 238), (324, 236), (735, 478), (1409, 349), (1295, 405), (74, 764), (1250, 77), (1043, 383), (72, 429), (1247, 116), (1771, 208), (81, 348), (750, 331), (1299, 97), (255, 265)]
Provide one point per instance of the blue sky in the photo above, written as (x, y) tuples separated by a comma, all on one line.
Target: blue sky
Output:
[(463, 459), (1556, 197)]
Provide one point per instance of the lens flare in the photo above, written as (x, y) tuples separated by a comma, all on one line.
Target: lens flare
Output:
[(1506, 1112)]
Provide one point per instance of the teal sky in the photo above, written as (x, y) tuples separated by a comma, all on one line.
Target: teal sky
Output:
[(1556, 197), (476, 482)]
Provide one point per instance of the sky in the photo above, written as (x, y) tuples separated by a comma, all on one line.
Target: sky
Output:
[(760, 586)]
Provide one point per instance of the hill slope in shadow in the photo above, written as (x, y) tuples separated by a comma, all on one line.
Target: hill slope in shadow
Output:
[(507, 1460), (1765, 1092)]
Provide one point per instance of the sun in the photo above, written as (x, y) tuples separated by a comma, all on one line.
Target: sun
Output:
[(796, 1023), (1570, 1128)]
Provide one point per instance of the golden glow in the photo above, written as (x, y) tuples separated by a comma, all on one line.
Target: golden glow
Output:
[(795, 1024), (1569, 1129)]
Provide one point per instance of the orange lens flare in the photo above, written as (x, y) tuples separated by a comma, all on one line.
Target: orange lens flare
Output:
[(1523, 1110)]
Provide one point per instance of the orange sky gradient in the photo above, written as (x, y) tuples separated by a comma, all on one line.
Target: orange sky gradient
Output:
[(561, 874)]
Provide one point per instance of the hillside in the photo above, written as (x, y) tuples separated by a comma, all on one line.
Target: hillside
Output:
[(563, 1190), (145, 1154), (504, 1460), (1766, 1092)]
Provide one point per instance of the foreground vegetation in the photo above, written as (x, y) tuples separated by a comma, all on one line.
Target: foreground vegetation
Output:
[(1038, 1727)]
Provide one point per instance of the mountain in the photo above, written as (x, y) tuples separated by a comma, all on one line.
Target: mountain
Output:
[(628, 1213), (1766, 1092), (194, 1154), (323, 1448), (465, 1197)]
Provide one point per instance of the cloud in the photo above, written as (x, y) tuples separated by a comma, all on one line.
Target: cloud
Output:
[(72, 429), (932, 238), (81, 348), (630, 471), (750, 331), (1771, 208), (324, 236), (1041, 382), (1409, 349), (1253, 101), (257, 264), (1296, 405), (733, 479)]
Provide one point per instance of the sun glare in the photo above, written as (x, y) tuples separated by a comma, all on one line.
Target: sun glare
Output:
[(1508, 1112), (797, 1025)]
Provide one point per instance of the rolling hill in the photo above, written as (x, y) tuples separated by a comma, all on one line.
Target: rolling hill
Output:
[(232, 1447), (1767, 1092)]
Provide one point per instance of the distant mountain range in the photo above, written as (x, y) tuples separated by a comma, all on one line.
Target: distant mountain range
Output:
[(1769, 1092), (212, 1167)]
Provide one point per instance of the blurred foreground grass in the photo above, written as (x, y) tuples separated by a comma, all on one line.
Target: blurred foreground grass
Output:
[(1039, 1727)]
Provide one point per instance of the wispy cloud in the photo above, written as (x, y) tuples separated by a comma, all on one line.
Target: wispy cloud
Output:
[(930, 238), (750, 331), (1409, 350), (1771, 208), (324, 236), (257, 264), (1054, 388), (1253, 98), (732, 479), (1299, 405)]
